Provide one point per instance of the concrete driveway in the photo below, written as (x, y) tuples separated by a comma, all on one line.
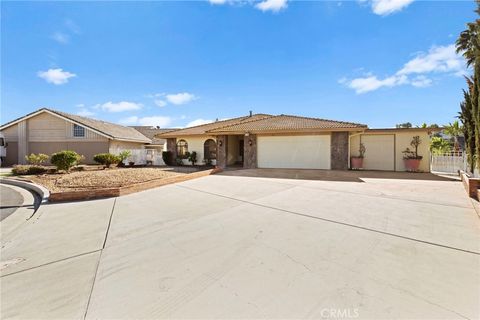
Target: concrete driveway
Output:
[(237, 245)]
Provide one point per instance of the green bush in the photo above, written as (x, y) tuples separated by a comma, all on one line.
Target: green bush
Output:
[(192, 157), (167, 157), (65, 159), (28, 170), (37, 159), (124, 155), (107, 159)]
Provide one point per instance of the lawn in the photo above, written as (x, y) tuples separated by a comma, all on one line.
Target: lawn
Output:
[(100, 179)]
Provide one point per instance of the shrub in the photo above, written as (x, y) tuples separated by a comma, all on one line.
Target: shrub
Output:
[(192, 157), (179, 161), (65, 159), (167, 157), (28, 170), (37, 159), (107, 159), (124, 155)]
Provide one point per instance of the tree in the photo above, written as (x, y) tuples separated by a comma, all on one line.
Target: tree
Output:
[(438, 145), (454, 130), (404, 125), (468, 44)]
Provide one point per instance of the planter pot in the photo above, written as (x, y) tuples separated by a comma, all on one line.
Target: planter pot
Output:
[(214, 162), (412, 164), (357, 163)]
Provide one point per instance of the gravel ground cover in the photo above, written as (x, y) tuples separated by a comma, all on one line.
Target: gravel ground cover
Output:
[(99, 179)]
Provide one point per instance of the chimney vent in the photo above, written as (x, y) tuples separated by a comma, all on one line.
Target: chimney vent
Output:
[(251, 113)]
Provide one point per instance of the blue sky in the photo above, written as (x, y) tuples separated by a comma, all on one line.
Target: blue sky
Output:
[(172, 64)]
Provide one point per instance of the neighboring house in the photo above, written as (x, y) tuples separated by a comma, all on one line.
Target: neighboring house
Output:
[(48, 131), (150, 132), (285, 141)]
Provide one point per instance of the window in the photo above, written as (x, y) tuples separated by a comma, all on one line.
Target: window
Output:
[(210, 149), (78, 131), (2, 142), (182, 148)]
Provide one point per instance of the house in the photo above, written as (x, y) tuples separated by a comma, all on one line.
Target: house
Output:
[(151, 132), (48, 131), (286, 141)]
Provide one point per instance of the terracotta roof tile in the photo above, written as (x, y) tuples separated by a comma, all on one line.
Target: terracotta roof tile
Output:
[(286, 123)]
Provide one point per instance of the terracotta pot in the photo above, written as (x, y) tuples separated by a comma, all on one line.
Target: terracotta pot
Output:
[(412, 164), (357, 163)]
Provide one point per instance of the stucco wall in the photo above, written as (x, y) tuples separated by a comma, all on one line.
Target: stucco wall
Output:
[(402, 139), (116, 146), (196, 144)]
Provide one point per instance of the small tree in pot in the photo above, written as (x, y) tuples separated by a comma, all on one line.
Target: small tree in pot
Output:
[(411, 157), (357, 161)]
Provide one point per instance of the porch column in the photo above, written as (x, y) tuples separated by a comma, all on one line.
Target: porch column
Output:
[(339, 151), (222, 142), (250, 151), (172, 147)]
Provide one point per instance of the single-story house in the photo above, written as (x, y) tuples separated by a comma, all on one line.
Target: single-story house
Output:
[(48, 131), (286, 141)]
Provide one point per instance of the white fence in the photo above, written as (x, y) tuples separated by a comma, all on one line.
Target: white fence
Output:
[(449, 162), (143, 156)]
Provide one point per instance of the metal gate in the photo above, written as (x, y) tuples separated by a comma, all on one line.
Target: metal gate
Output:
[(450, 162)]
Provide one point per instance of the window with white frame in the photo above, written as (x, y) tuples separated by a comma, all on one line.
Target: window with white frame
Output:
[(78, 131)]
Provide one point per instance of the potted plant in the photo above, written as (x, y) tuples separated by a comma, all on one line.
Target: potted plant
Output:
[(357, 161), (192, 157), (411, 157)]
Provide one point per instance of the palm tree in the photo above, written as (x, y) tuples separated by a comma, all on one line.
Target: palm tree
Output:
[(468, 44), (454, 130)]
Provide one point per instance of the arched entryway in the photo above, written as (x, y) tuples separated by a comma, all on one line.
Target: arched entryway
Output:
[(209, 150)]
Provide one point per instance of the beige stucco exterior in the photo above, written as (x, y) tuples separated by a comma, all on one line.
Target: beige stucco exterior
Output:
[(47, 133), (384, 148), (195, 143)]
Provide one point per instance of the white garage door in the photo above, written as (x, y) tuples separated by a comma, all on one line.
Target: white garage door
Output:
[(380, 152), (300, 152)]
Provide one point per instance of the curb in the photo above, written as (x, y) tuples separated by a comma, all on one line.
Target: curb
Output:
[(41, 191)]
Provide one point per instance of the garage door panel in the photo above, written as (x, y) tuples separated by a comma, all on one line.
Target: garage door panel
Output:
[(299, 152), (380, 152)]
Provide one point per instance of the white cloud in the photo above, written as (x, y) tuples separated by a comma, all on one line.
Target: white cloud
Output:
[(56, 76), (160, 103), (85, 113), (72, 26), (217, 1), (61, 37), (180, 98), (421, 82), (438, 59), (386, 7), (371, 83), (198, 122), (147, 121), (442, 59), (272, 5), (119, 106)]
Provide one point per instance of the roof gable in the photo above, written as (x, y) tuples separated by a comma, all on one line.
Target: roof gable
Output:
[(106, 129)]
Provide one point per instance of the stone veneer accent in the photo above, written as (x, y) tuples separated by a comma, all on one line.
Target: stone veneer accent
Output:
[(222, 142), (339, 151), (172, 147), (250, 152)]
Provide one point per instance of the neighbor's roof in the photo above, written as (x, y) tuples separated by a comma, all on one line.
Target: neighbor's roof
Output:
[(286, 123), (107, 129), (150, 132), (202, 129)]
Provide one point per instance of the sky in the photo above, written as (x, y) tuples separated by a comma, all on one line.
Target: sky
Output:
[(182, 63)]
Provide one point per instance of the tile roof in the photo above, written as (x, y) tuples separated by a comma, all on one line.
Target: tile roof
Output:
[(286, 123), (150, 132), (202, 129), (112, 130)]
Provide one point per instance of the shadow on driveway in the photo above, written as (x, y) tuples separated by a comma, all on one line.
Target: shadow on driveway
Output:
[(331, 175)]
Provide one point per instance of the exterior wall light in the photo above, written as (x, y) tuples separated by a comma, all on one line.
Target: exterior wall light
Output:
[(220, 143), (250, 142)]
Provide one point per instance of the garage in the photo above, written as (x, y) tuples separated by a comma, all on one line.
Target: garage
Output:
[(380, 152), (298, 152)]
